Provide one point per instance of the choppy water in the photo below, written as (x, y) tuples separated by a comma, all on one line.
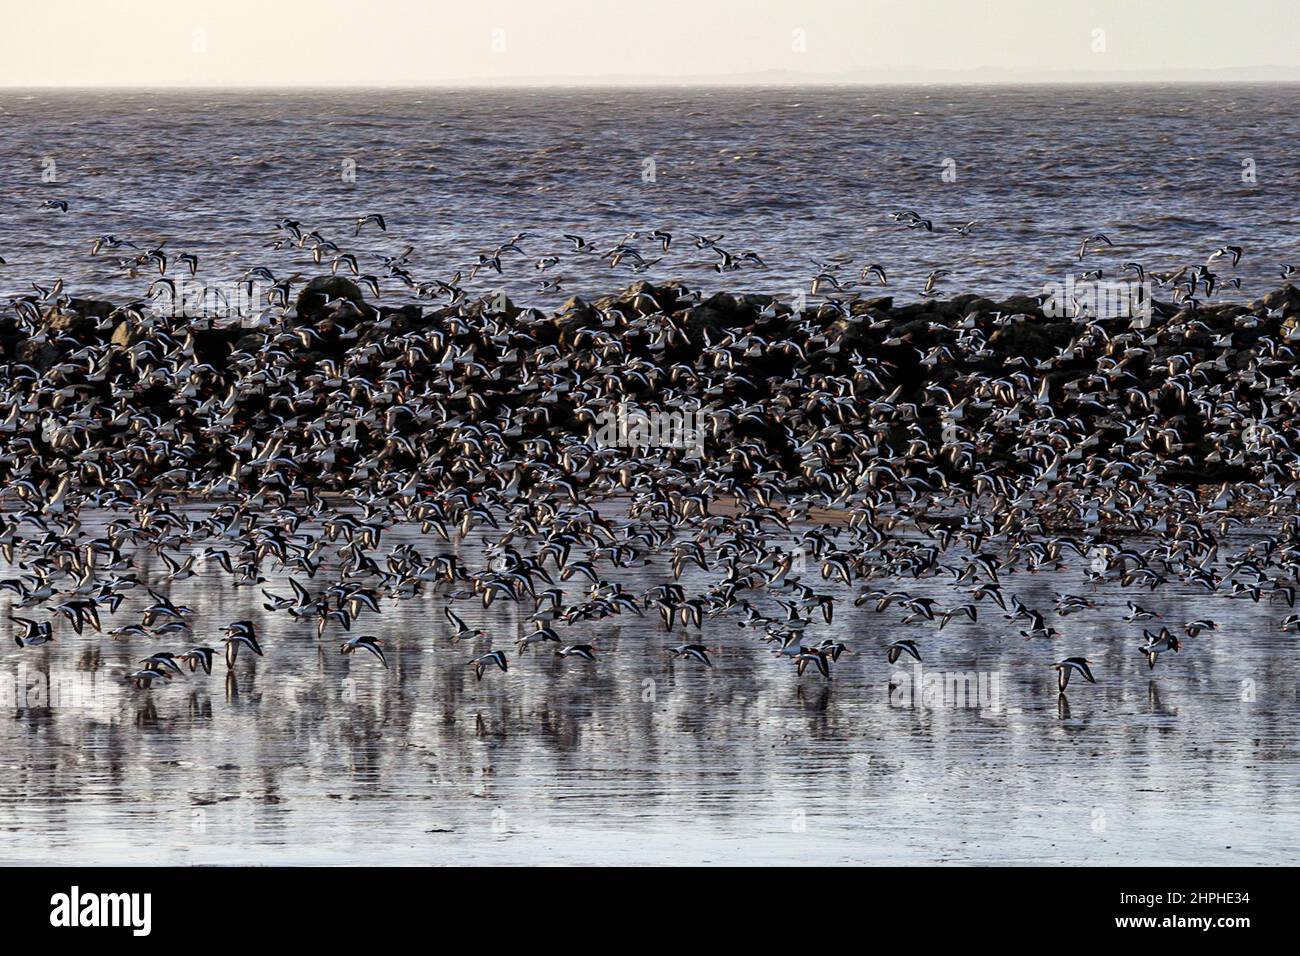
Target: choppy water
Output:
[(306, 756), (792, 174)]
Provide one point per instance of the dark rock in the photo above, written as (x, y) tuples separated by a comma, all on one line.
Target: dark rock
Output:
[(575, 314), (1020, 304), (1286, 298), (716, 315), (916, 331), (70, 323), (1032, 340), (854, 334), (125, 334), (40, 355), (91, 308), (403, 318), (250, 343), (314, 295), (978, 305)]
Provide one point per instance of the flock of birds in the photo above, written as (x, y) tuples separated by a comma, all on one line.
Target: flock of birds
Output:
[(1185, 281), (879, 451)]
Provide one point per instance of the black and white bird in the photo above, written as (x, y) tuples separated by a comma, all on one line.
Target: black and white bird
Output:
[(900, 647), (1158, 643), (364, 643), (197, 657), (35, 633), (1069, 665), (373, 219), (480, 664), (1097, 239), (696, 652), (240, 634)]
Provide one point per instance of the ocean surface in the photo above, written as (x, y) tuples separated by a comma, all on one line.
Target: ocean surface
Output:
[(1168, 174)]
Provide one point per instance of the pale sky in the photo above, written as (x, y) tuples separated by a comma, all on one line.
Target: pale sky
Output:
[(437, 42)]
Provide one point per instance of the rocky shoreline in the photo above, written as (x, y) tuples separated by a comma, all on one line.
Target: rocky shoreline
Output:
[(916, 381)]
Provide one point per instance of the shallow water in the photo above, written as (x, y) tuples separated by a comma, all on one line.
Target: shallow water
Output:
[(795, 175), (305, 756)]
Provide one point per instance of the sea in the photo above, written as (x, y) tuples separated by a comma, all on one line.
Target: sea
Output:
[(804, 178)]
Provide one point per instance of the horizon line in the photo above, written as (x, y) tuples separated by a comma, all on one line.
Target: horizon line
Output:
[(646, 84)]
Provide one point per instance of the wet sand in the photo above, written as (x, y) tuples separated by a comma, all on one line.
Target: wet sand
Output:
[(305, 756)]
